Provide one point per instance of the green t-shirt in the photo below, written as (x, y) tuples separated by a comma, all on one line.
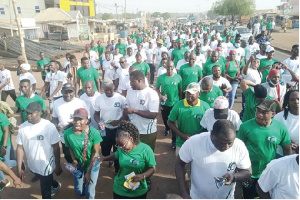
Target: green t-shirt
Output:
[(139, 40), (211, 96), (189, 74), (100, 49), (41, 63), (122, 48), (169, 86), (269, 25), (88, 74), (207, 68), (188, 118), (178, 54), (262, 142), (138, 161), (232, 68), (3, 123), (22, 102), (263, 63), (134, 35), (76, 143), (94, 48), (143, 67)]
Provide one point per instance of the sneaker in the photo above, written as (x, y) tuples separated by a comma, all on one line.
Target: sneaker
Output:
[(55, 190), (173, 146), (3, 184), (166, 133)]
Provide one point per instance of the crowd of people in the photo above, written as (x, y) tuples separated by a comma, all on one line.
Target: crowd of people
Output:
[(104, 107)]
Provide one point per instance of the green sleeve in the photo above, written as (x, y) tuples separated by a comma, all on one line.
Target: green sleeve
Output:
[(147, 67), (96, 74), (199, 72), (38, 63), (158, 84), (78, 73), (172, 54), (66, 134), (173, 116), (42, 102), (286, 140), (96, 136), (248, 92), (117, 153), (180, 72), (242, 134), (3, 121), (204, 68), (149, 157), (180, 82), (17, 103)]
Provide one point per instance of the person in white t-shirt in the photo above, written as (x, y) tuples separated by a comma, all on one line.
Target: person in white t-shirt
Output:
[(142, 104), (109, 110), (218, 159), (67, 61), (220, 111), (256, 27), (121, 73), (226, 45), (132, 45), (89, 97), (24, 68), (91, 61), (107, 67), (116, 59), (213, 43), (205, 46), (250, 71), (141, 50), (183, 61), (38, 139), (280, 180), (252, 48), (149, 54), (6, 84), (63, 110), (200, 58), (158, 52), (240, 52), (293, 63), (163, 68), (290, 118), (130, 58)]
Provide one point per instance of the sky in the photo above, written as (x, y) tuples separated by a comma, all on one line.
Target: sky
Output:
[(172, 6)]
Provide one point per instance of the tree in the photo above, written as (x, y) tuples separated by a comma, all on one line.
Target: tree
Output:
[(106, 16), (166, 15), (234, 7), (156, 14)]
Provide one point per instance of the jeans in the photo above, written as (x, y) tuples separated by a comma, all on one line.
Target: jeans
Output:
[(152, 72), (46, 182), (11, 93), (165, 112), (232, 93), (80, 185), (243, 106), (6, 159)]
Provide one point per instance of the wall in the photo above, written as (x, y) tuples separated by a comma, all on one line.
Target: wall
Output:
[(87, 7)]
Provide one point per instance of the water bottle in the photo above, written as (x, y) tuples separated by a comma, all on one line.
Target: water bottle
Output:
[(73, 170), (102, 128), (164, 98), (129, 115), (96, 164)]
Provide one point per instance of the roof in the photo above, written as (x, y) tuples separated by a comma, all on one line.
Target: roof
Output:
[(56, 15)]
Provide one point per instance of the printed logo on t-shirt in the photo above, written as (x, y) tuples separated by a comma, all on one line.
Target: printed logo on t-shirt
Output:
[(199, 116), (134, 162), (142, 102), (195, 73), (40, 137), (272, 139), (117, 104), (231, 167), (89, 75), (174, 83)]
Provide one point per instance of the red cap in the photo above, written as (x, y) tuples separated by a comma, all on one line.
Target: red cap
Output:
[(273, 71), (81, 113)]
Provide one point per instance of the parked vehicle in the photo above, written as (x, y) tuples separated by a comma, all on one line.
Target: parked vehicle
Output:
[(219, 28), (244, 32)]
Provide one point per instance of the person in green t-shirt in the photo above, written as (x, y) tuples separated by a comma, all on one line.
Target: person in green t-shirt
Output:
[(93, 46), (142, 66), (212, 61), (188, 114), (262, 135), (190, 72), (5, 145), (178, 54), (169, 89), (86, 72), (121, 46), (42, 65), (269, 27), (266, 63), (209, 92), (83, 142), (136, 159), (28, 96), (100, 49)]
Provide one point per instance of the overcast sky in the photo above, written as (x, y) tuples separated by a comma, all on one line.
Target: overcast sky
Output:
[(192, 6)]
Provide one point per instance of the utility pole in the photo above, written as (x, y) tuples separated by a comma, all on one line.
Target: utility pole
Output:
[(116, 5), (20, 31), (125, 11)]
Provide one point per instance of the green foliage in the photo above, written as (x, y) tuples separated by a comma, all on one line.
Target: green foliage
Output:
[(166, 15), (156, 14), (106, 16), (234, 7)]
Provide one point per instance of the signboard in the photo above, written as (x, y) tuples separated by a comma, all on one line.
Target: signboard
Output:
[(83, 29), (28, 22)]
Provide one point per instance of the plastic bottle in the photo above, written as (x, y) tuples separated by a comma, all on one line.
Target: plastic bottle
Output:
[(50, 105), (165, 98), (96, 164), (102, 128), (73, 170)]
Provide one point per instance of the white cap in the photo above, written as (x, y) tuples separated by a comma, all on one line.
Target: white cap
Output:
[(269, 49), (25, 66)]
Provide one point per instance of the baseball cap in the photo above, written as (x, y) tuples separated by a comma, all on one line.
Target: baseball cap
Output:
[(267, 105), (193, 88), (67, 86), (21, 58), (33, 106), (160, 41), (25, 66), (81, 113), (260, 91), (269, 49), (221, 105)]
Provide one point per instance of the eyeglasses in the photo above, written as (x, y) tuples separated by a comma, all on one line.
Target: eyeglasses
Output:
[(124, 146)]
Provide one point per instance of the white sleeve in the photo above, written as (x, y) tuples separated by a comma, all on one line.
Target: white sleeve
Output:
[(97, 104), (227, 83), (32, 79), (54, 135), (54, 112), (153, 105), (19, 138), (61, 77), (268, 179), (185, 152), (86, 107), (203, 121), (244, 159), (8, 75), (47, 79), (236, 120)]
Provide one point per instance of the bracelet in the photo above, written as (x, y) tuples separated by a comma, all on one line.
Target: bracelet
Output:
[(144, 176)]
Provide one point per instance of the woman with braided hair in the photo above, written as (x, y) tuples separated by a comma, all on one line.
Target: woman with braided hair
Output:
[(133, 156), (290, 117)]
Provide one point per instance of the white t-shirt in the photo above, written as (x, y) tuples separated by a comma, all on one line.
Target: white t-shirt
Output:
[(66, 63), (64, 111), (256, 27), (163, 70), (146, 99), (37, 140), (143, 54), (259, 56), (133, 46), (94, 56), (157, 52), (110, 71), (125, 83), (4, 75), (253, 48), (253, 75), (149, 53), (121, 74), (226, 46), (29, 76), (239, 52), (180, 63), (200, 60), (53, 79), (130, 59), (91, 102), (111, 108), (205, 49), (207, 162), (213, 44), (116, 59), (219, 82), (272, 91), (294, 66), (281, 178), (209, 120)]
